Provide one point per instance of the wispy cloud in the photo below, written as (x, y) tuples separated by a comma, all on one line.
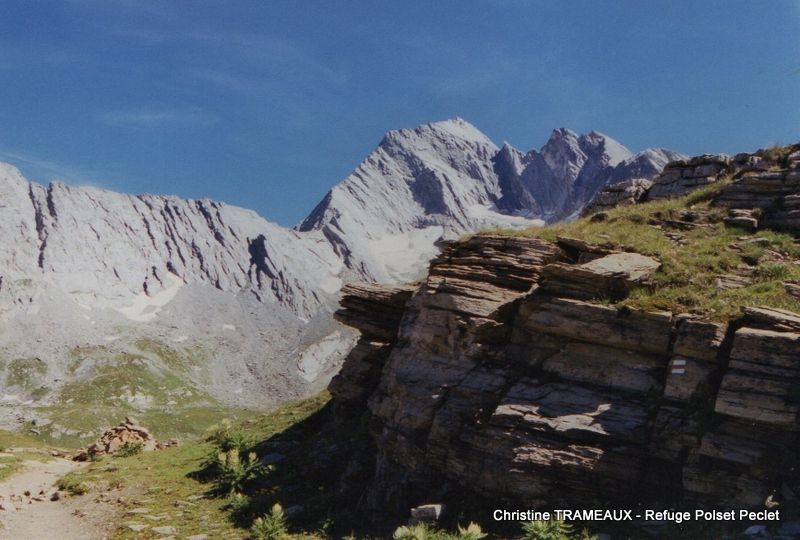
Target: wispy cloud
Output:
[(152, 117), (228, 81), (272, 50), (17, 56), (243, 53), (45, 170)]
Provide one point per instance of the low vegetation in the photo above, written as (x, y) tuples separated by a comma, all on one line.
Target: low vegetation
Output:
[(12, 439), (130, 449), (195, 490), (150, 380), (12, 462), (73, 485), (272, 526), (226, 437), (218, 486), (532, 530), (696, 248), (422, 531), (233, 472), (16, 449)]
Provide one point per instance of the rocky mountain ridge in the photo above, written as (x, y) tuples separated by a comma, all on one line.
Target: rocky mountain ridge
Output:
[(421, 186), (106, 249), (444, 179), (570, 169)]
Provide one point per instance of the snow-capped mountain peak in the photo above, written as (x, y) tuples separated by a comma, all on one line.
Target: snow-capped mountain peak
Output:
[(563, 154), (443, 179), (613, 153)]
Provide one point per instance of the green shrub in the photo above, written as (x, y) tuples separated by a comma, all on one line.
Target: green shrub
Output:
[(554, 529), (271, 526), (325, 528), (73, 486), (233, 472), (130, 449), (226, 437), (769, 272), (238, 505), (422, 531), (472, 531)]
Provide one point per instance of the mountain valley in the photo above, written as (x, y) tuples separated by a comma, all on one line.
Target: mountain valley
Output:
[(159, 305)]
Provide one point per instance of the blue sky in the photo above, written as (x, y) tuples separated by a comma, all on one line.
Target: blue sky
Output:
[(267, 104)]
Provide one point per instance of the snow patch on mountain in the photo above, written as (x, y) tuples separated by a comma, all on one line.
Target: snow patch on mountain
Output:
[(144, 307)]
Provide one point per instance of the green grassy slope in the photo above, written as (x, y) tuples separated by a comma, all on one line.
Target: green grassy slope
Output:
[(695, 247)]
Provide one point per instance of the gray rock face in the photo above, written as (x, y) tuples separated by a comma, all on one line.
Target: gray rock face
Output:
[(619, 194), (86, 268), (681, 177), (133, 254), (571, 169), (418, 187)]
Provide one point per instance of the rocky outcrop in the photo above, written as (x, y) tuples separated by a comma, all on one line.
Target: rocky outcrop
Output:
[(618, 194), (375, 310), (742, 218), (681, 177), (775, 193), (749, 451), (433, 376), (128, 434), (610, 277), (760, 189), (499, 371)]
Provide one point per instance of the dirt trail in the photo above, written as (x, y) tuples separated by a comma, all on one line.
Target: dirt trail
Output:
[(24, 517)]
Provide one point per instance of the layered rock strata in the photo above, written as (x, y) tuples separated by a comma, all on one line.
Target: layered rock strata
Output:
[(760, 189), (681, 177), (501, 385), (619, 194), (376, 311), (775, 193)]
